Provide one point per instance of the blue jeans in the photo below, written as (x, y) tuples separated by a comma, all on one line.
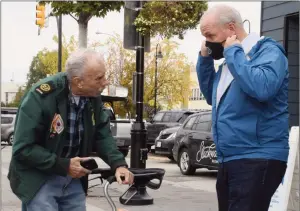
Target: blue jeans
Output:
[(58, 194), (248, 184)]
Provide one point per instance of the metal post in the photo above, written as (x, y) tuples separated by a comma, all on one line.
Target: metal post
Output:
[(59, 30), (157, 55), (155, 82), (137, 194)]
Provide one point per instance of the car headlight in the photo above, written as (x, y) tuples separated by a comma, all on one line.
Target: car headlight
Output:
[(172, 136), (159, 135)]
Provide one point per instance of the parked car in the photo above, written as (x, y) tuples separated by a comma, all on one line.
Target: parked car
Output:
[(9, 110), (163, 120), (194, 147), (165, 141), (120, 129), (7, 128)]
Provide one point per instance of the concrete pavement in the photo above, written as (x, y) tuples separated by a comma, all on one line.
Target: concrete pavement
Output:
[(177, 193)]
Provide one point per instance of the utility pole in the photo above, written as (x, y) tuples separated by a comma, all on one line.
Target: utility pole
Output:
[(158, 55), (59, 31)]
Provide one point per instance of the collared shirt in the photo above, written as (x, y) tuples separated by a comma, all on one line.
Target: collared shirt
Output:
[(75, 126), (226, 76)]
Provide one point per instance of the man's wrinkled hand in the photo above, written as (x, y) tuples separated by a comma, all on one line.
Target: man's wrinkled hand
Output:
[(125, 173), (76, 170), (231, 41)]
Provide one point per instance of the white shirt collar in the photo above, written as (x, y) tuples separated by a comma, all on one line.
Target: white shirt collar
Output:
[(250, 41)]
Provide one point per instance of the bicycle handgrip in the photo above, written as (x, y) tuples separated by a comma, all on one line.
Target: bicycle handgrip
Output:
[(112, 179)]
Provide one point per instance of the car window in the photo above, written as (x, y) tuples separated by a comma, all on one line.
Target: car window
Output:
[(158, 117), (183, 117), (190, 123), (7, 120), (203, 123), (167, 117), (174, 116)]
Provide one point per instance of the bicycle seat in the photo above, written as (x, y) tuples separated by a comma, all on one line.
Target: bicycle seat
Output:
[(144, 177)]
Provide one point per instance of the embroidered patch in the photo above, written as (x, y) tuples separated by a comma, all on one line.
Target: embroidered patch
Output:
[(45, 88), (57, 125)]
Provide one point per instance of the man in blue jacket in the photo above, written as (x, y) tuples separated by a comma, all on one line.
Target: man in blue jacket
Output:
[(249, 96)]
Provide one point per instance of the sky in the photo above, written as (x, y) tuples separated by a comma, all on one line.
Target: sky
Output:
[(20, 41)]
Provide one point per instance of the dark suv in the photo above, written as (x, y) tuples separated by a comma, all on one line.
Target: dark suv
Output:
[(166, 119), (194, 147)]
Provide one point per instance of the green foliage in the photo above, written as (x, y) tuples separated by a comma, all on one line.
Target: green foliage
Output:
[(84, 9), (164, 18), (173, 76), (18, 98), (169, 18)]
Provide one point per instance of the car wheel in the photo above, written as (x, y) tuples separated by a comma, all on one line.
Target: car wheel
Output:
[(185, 163), (11, 139)]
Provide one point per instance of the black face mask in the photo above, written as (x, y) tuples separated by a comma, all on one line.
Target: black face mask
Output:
[(215, 49)]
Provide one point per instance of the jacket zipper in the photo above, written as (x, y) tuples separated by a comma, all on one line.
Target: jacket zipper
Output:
[(217, 113)]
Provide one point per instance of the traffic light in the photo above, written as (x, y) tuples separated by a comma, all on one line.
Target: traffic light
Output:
[(40, 15), (130, 36)]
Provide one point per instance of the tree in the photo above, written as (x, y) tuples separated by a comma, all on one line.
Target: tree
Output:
[(158, 18), (45, 62), (83, 11), (173, 75), (169, 18), (18, 98)]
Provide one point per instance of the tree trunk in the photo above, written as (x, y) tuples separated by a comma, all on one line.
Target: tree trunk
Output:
[(83, 33), (83, 21)]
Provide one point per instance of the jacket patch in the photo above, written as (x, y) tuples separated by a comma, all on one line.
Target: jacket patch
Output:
[(57, 125), (45, 88)]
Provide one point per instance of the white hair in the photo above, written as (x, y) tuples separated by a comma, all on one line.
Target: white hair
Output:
[(75, 64), (225, 14)]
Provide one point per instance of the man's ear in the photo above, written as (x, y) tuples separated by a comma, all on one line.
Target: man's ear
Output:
[(231, 26), (77, 81)]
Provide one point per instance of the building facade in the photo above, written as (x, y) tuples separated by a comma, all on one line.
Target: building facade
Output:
[(196, 98), (280, 21), (9, 91)]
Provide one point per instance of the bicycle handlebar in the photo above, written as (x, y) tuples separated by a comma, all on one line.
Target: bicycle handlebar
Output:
[(141, 177)]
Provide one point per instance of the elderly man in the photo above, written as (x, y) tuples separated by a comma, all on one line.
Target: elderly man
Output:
[(248, 95), (58, 122)]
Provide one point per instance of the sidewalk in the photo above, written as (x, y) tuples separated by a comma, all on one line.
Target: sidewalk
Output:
[(166, 198), (177, 193), (169, 197)]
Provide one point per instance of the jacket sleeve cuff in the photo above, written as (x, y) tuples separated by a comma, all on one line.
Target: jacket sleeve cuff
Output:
[(117, 164), (204, 59), (230, 48), (61, 166)]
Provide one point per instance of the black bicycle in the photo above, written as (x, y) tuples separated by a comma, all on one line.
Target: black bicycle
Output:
[(141, 177)]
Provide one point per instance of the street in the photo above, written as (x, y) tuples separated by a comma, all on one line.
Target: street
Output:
[(177, 192)]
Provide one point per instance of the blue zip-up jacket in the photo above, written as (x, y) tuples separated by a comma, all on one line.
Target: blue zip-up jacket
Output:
[(251, 119)]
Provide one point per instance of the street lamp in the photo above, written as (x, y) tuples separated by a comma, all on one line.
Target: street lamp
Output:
[(158, 55)]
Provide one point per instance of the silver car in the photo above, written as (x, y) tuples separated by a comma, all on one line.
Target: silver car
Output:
[(7, 127)]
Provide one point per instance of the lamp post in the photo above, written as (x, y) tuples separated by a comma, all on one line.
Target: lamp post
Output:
[(158, 55), (98, 32)]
